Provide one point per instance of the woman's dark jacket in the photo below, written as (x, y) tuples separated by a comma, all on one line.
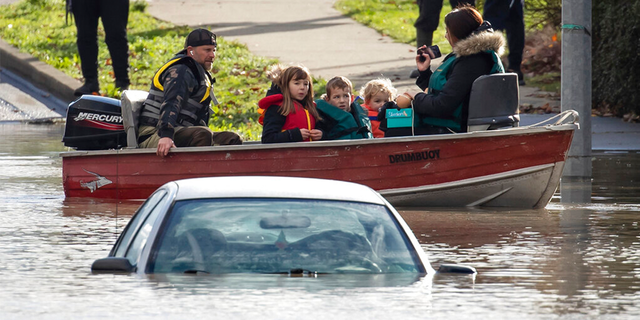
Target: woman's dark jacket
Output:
[(472, 60)]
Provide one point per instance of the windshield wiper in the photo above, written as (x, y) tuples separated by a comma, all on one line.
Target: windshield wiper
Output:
[(302, 271), (195, 271), (296, 271)]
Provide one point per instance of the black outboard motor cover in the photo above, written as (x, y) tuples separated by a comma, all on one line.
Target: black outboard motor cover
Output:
[(94, 123)]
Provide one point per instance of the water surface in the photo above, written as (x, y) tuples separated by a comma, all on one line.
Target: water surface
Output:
[(568, 261)]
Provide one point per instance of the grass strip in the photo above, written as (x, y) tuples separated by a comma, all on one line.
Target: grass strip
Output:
[(393, 18)]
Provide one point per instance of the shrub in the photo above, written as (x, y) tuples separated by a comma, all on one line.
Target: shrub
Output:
[(616, 56)]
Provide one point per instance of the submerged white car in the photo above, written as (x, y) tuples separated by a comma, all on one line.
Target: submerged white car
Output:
[(272, 225)]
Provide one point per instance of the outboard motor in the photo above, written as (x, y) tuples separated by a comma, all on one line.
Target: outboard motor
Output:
[(94, 123)]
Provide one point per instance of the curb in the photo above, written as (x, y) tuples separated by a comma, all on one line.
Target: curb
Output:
[(40, 74)]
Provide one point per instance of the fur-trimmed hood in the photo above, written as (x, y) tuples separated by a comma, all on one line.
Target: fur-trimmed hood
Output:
[(480, 42)]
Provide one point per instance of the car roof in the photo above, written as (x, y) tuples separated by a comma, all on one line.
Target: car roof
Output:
[(275, 187)]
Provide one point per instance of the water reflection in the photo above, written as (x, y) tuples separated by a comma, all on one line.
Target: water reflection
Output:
[(575, 190), (564, 260), (577, 258)]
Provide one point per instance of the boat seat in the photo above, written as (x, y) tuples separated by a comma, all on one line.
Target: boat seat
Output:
[(130, 104), (494, 102)]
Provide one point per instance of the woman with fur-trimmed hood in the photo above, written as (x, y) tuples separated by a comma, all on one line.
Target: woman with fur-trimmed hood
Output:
[(443, 108)]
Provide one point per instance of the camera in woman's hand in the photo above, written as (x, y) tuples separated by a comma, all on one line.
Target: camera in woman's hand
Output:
[(434, 49)]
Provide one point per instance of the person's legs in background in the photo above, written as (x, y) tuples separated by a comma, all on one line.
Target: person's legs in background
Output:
[(86, 15), (426, 24), (428, 21), (508, 15), (115, 14), (515, 38)]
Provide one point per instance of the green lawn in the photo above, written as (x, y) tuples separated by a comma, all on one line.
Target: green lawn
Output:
[(393, 18)]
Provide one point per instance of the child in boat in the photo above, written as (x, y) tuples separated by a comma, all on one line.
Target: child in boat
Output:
[(288, 113), (343, 118), (376, 93)]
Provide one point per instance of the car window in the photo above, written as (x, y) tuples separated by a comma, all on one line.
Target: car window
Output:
[(281, 235), (133, 225), (140, 238)]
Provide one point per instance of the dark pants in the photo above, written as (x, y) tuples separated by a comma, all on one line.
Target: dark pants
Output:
[(114, 15), (195, 136), (508, 15), (198, 136), (429, 18)]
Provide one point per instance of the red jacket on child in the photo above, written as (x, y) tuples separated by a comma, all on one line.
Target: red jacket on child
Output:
[(279, 128)]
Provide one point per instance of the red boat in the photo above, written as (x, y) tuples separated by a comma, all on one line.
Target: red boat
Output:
[(516, 167), (519, 167)]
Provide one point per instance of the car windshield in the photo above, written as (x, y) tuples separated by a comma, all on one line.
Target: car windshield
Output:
[(282, 236)]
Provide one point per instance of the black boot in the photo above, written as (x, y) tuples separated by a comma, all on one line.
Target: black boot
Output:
[(122, 85), (90, 86), (520, 76)]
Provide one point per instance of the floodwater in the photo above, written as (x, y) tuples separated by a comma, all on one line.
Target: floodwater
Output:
[(576, 260)]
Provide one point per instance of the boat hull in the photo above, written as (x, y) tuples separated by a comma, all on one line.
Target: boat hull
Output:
[(519, 167)]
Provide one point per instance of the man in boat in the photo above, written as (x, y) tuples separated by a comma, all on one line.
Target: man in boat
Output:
[(176, 112)]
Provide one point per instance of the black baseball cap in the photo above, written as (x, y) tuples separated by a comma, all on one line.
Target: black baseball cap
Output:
[(200, 37)]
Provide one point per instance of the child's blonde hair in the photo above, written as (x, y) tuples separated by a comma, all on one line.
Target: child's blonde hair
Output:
[(376, 86), (338, 82), (281, 76)]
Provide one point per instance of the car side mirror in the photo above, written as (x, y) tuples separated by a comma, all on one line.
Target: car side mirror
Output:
[(112, 265), (456, 269)]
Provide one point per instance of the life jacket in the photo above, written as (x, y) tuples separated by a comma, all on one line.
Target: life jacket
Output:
[(298, 118), (197, 110), (437, 82), (344, 125), (375, 123)]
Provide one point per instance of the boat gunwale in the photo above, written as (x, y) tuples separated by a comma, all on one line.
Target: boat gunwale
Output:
[(517, 131)]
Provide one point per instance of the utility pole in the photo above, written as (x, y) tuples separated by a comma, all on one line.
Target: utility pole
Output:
[(576, 82)]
